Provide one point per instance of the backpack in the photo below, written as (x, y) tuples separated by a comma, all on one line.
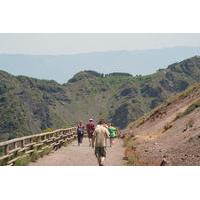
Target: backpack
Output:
[(80, 130)]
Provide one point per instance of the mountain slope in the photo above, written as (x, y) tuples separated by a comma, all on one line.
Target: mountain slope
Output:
[(170, 131), (29, 105), (139, 95)]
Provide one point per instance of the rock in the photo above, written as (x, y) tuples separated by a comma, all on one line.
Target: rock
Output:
[(125, 158), (185, 129), (163, 162), (133, 148)]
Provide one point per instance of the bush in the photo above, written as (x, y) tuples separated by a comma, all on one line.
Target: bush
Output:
[(34, 156), (190, 109), (3, 162), (132, 160), (190, 123), (46, 151), (23, 160), (65, 143), (128, 142), (166, 127), (47, 130)]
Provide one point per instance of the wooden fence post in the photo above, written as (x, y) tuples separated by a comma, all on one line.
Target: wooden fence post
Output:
[(56, 138), (6, 149), (22, 143)]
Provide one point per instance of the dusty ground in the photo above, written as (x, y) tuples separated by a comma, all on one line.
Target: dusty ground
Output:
[(74, 155), (181, 145)]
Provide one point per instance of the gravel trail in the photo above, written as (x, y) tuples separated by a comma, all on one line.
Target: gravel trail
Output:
[(74, 155)]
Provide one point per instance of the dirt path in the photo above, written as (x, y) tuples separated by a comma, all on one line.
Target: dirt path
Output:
[(73, 155)]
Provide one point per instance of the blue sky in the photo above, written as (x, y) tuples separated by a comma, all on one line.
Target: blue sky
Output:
[(155, 51), (62, 67)]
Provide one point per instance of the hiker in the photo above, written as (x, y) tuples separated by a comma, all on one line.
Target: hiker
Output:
[(90, 127), (106, 125), (100, 135), (112, 133), (80, 132)]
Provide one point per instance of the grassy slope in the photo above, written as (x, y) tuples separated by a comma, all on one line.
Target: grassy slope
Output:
[(29, 105)]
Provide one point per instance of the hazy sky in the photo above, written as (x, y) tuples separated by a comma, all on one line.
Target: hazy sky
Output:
[(89, 42)]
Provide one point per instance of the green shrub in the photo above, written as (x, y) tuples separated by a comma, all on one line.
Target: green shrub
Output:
[(65, 143), (132, 160), (127, 142), (190, 109), (49, 149), (34, 156), (2, 163), (46, 151), (23, 160), (47, 130)]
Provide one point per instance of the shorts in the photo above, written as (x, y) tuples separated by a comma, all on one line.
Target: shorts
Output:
[(100, 152), (80, 138), (90, 135)]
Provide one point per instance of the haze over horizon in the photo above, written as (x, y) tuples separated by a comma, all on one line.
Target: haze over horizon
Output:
[(75, 43), (62, 67), (59, 56), (96, 52)]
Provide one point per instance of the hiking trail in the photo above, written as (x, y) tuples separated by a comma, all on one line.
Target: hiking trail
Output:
[(83, 155)]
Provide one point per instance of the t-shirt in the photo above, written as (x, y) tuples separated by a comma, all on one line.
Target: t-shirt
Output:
[(100, 135), (112, 130), (80, 130), (90, 127)]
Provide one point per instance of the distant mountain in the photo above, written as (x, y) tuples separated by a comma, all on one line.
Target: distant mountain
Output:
[(29, 105), (62, 67)]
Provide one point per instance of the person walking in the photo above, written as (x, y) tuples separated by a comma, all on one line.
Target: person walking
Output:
[(112, 133), (106, 125), (99, 143), (90, 127), (80, 132)]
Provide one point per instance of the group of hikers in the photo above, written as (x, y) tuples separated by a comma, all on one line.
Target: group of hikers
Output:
[(97, 136)]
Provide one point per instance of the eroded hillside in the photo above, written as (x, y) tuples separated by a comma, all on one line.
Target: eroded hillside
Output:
[(171, 131)]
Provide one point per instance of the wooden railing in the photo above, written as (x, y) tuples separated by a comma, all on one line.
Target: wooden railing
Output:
[(16, 151)]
